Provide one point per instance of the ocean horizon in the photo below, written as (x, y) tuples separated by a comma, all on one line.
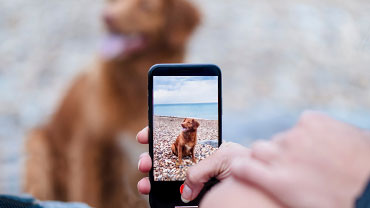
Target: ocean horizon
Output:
[(207, 111)]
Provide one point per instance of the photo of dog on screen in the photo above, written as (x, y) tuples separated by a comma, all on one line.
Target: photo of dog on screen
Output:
[(187, 139), (185, 123)]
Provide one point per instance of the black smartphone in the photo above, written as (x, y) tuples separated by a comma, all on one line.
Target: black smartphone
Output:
[(185, 119)]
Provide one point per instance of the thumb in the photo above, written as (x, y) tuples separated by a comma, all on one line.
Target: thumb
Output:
[(199, 174)]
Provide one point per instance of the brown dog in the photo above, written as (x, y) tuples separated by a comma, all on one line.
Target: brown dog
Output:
[(76, 156), (186, 141)]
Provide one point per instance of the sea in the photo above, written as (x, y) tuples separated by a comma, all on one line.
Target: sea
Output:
[(207, 111)]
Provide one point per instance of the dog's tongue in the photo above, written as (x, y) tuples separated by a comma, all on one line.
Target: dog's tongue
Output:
[(113, 45), (120, 45)]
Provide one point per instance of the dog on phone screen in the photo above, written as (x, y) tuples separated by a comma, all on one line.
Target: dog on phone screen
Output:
[(78, 154), (186, 141)]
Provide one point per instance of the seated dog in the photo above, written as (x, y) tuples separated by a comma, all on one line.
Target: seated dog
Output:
[(186, 141), (79, 153)]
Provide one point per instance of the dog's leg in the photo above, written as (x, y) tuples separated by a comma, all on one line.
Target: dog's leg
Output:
[(99, 176), (192, 155), (84, 159), (174, 150), (179, 151), (38, 170)]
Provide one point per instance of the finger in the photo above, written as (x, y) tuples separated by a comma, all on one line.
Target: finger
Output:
[(143, 186), (232, 150), (265, 151), (142, 136), (279, 138), (284, 139), (252, 171), (145, 163), (199, 174), (311, 117), (292, 140)]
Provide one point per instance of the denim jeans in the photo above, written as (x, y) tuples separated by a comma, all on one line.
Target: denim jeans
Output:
[(26, 201)]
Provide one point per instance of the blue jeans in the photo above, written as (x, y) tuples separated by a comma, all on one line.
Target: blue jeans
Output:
[(26, 201)]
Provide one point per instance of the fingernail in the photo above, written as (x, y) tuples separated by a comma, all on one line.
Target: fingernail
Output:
[(138, 164), (143, 154), (186, 194), (138, 134), (184, 200)]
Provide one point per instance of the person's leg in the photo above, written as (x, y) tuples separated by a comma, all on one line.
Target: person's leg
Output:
[(232, 193)]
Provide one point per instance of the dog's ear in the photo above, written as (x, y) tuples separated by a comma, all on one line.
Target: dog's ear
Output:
[(184, 120), (195, 124), (182, 18)]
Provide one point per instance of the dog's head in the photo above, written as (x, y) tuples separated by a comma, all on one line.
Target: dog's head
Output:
[(190, 124), (136, 25)]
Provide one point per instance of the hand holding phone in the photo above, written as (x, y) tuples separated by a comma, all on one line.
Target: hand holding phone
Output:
[(184, 125), (218, 165)]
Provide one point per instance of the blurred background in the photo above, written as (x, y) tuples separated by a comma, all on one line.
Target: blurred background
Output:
[(278, 58)]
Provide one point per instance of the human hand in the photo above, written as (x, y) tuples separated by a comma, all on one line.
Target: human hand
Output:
[(320, 162), (217, 165)]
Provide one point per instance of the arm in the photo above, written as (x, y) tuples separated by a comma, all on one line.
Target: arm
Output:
[(320, 162), (233, 193)]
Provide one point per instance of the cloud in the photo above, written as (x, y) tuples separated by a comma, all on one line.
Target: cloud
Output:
[(185, 89)]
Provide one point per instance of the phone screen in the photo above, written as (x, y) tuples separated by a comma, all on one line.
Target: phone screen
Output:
[(185, 123)]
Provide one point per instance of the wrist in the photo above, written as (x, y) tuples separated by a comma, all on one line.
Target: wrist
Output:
[(363, 175), (363, 201)]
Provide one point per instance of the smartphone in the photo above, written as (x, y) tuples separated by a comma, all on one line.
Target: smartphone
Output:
[(185, 120)]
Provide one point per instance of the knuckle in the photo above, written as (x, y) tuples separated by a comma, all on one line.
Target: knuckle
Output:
[(280, 136), (309, 116), (227, 145), (286, 138), (190, 174), (257, 144), (228, 151)]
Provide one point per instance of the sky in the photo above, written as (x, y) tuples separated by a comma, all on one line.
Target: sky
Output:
[(185, 89)]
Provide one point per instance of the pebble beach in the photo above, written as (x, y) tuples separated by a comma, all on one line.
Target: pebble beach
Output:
[(165, 131), (277, 59)]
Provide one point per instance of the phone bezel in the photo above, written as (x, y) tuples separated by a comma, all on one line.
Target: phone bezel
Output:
[(167, 187)]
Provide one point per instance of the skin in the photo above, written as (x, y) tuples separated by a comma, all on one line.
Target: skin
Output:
[(218, 165), (241, 196), (320, 162)]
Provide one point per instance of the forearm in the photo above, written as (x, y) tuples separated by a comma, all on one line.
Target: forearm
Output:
[(363, 199)]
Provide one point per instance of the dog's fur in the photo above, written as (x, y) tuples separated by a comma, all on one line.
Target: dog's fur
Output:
[(76, 155), (186, 141)]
